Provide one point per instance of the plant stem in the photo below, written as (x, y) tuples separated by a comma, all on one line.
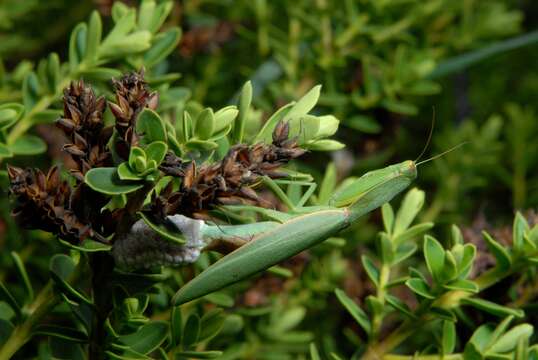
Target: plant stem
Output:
[(377, 320), (377, 351), (41, 306), (102, 265)]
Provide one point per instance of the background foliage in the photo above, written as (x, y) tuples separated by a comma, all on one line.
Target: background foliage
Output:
[(383, 66)]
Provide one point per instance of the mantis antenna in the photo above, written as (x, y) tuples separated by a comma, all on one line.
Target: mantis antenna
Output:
[(443, 153), (429, 136)]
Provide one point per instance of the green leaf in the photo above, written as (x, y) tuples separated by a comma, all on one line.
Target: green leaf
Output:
[(211, 324), (460, 62), (266, 132), (23, 274), (147, 338), (61, 332), (99, 73), (464, 285), (137, 157), (366, 124), (443, 313), (199, 354), (95, 28), (503, 258), (448, 341), (165, 230), (500, 329), (186, 128), (411, 205), (435, 257), (399, 305), (288, 319), (478, 342), (413, 272), (163, 44), (47, 116), (508, 341), (466, 263), (324, 145), (403, 252), (450, 268), (224, 118), (77, 45), (87, 245), (492, 307), (399, 107), (191, 331), (386, 249), (156, 151), (519, 228), (375, 305), (358, 314), (126, 353), (159, 15), (125, 19), (314, 354), (304, 128), (6, 329), (420, 287), (5, 152), (201, 145), (245, 99), (388, 217), (28, 145), (106, 180), (305, 104), (457, 237), (9, 114), (61, 266), (30, 90), (422, 88), (135, 283), (205, 124), (132, 43), (371, 269), (327, 185), (53, 71), (334, 356), (220, 299), (8, 298), (125, 173), (176, 326), (145, 14), (151, 125), (413, 232), (327, 126)]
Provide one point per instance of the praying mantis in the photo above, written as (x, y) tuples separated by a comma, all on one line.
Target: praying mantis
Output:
[(297, 230)]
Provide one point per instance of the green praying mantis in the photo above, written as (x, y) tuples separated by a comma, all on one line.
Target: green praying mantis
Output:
[(298, 230)]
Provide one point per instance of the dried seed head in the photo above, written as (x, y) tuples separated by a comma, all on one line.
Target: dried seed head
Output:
[(229, 181), (83, 124), (43, 202), (132, 95)]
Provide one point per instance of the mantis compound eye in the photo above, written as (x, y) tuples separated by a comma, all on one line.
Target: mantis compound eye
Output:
[(142, 247)]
